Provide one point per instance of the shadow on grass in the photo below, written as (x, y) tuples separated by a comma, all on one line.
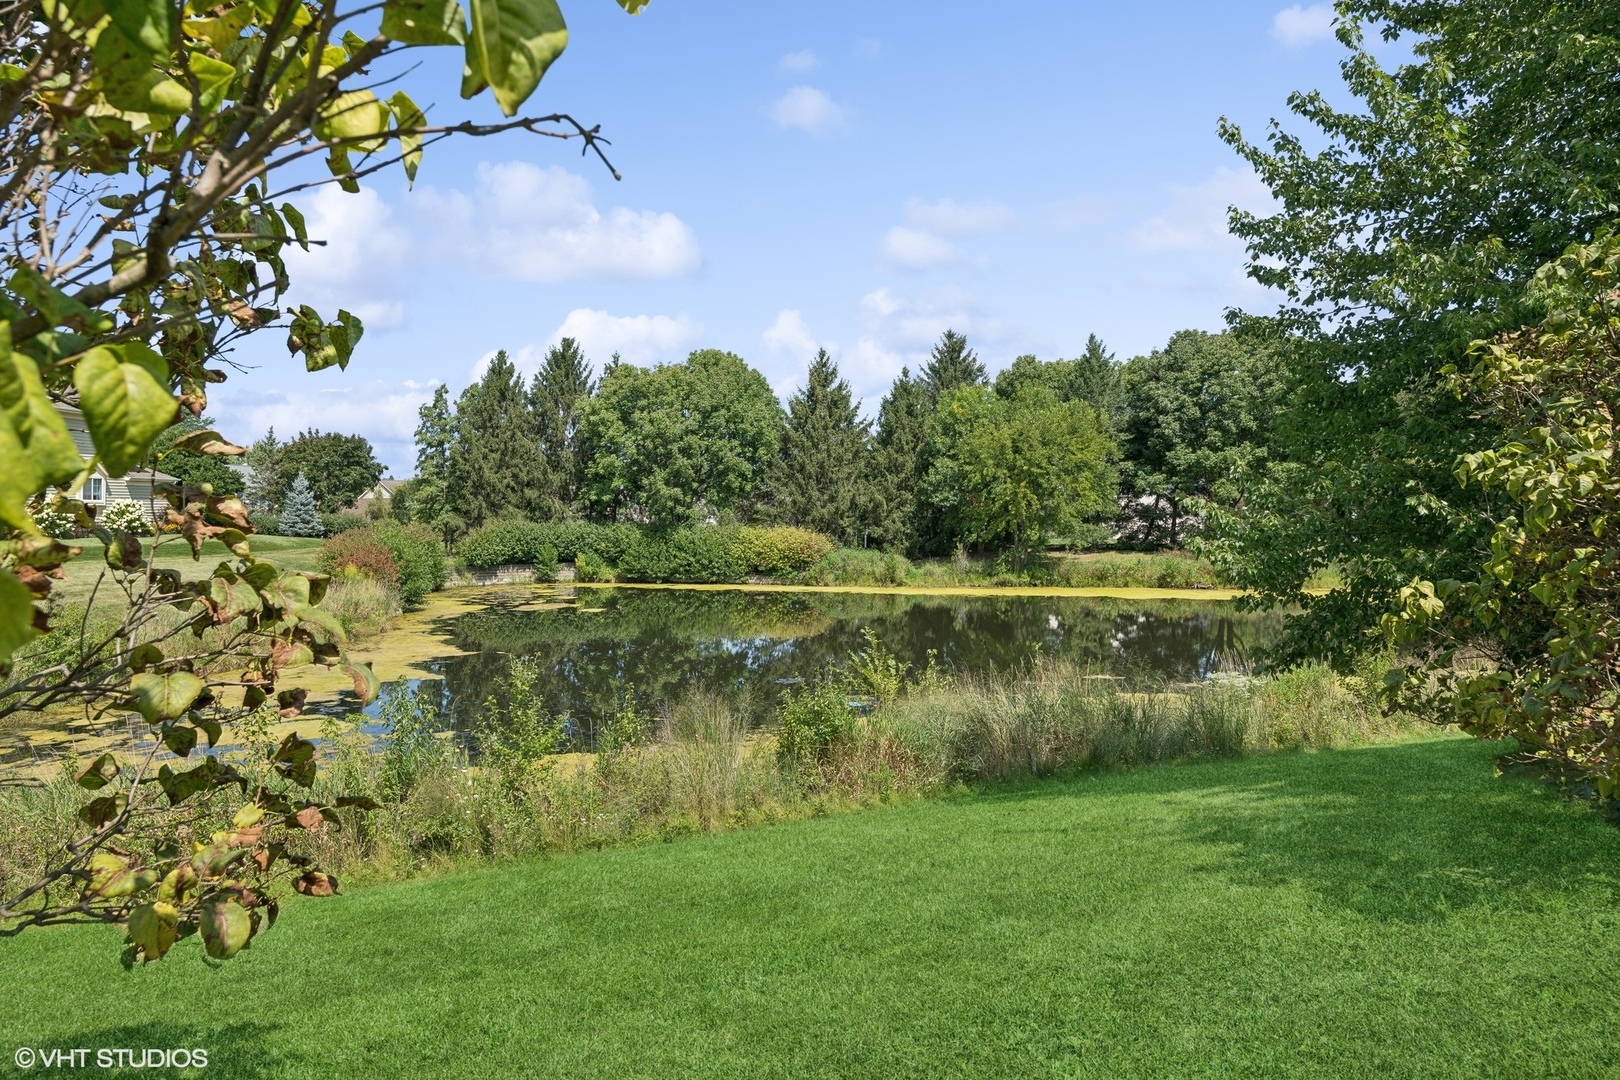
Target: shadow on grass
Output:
[(1411, 832), (241, 1051)]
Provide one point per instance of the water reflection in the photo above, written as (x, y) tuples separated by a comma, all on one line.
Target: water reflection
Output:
[(749, 646)]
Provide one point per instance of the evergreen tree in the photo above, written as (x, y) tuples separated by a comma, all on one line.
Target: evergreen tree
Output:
[(898, 466), (560, 390), (951, 366), (1096, 381), (264, 472), (822, 481), (299, 516), (428, 498), (496, 465)]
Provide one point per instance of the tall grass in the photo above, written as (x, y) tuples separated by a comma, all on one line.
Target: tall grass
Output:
[(698, 768), (1110, 570)]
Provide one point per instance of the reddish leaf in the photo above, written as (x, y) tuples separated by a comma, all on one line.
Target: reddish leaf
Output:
[(315, 883)]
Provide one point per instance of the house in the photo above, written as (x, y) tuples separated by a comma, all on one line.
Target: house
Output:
[(378, 496), (143, 486)]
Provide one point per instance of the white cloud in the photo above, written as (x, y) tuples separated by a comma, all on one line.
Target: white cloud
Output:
[(1081, 211), (808, 109), (384, 412), (900, 330), (799, 62), (1297, 25), (355, 269), (914, 249), (1195, 219), (638, 339), (790, 336), (949, 218), (868, 48)]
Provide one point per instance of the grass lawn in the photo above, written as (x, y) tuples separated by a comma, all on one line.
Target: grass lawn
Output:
[(287, 552), (1391, 911)]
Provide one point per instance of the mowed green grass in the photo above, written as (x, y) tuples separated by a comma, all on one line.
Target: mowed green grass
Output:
[(1391, 911), (287, 552)]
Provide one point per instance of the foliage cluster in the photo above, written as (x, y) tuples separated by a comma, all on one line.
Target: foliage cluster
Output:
[(622, 552), (1529, 647)]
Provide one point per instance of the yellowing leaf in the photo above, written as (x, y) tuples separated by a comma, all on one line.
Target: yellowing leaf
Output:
[(164, 697), (407, 115), (16, 616), (153, 928), (424, 22), (125, 397), (226, 928), (512, 44), (354, 115)]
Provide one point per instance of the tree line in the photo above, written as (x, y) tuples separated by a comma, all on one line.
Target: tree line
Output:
[(1086, 451)]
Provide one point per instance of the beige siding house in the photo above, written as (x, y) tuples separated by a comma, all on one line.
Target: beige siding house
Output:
[(144, 486)]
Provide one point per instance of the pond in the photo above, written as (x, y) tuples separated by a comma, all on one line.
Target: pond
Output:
[(593, 646)]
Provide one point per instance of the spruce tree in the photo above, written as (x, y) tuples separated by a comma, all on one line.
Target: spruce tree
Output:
[(264, 473), (1096, 381), (496, 464), (821, 483), (898, 462), (435, 441), (559, 392), (298, 514), (951, 366)]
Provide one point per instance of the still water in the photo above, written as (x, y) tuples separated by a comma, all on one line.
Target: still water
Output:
[(594, 645)]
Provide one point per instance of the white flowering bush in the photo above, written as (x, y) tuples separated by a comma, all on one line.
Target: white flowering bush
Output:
[(53, 524), (129, 516)]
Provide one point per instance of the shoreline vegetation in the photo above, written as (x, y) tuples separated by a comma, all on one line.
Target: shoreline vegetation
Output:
[(873, 732)]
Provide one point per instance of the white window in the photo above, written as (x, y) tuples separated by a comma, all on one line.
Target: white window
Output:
[(94, 490)]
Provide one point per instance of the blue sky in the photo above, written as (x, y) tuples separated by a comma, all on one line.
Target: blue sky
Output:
[(857, 176)]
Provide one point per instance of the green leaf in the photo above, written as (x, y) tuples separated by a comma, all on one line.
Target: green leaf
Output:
[(180, 740), (16, 616), (164, 697), (214, 78), (296, 219), (145, 23), (98, 774), (424, 22), (226, 928), (323, 344), (633, 6), (19, 480), (208, 727), (295, 759), (512, 44), (407, 115), (130, 83), (123, 390), (39, 427)]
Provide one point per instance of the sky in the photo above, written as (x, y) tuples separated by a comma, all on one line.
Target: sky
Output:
[(853, 176)]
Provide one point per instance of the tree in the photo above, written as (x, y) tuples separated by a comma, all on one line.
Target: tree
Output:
[(1198, 417), (1015, 470), (426, 497), (679, 443), (299, 515), (145, 234), (1095, 380), (496, 464), (344, 468), (899, 447), (558, 395), (264, 470), (822, 483), (1527, 646), (951, 366), (1407, 227)]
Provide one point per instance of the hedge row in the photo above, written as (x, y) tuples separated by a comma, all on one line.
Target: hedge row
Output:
[(705, 554)]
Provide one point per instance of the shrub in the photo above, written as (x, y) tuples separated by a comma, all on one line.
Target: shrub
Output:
[(779, 552), (359, 552), (418, 553), (55, 525), (502, 543), (811, 721), (589, 568), (698, 555), (129, 516), (343, 521)]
